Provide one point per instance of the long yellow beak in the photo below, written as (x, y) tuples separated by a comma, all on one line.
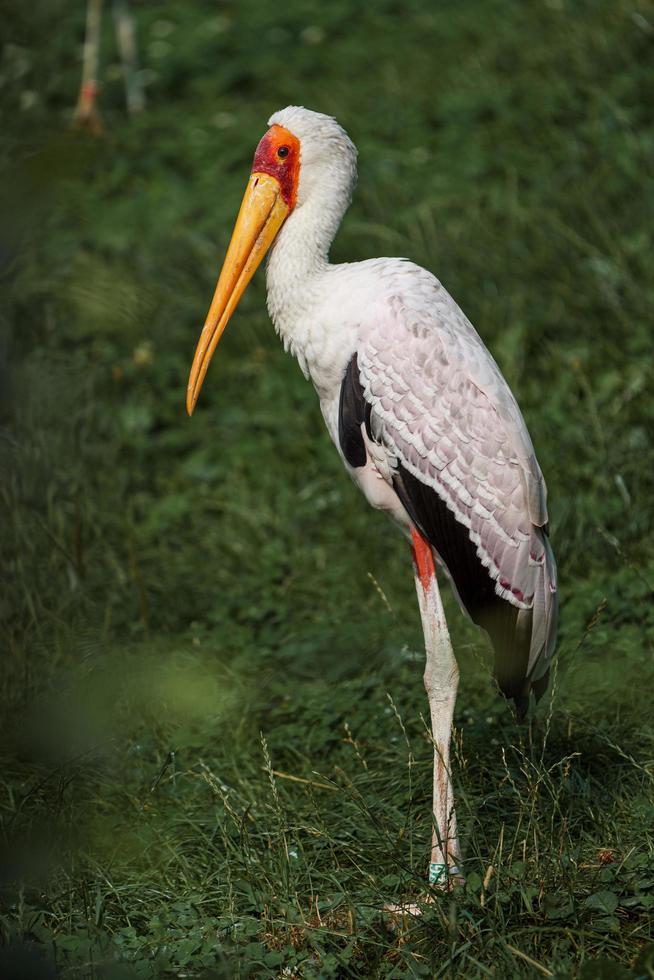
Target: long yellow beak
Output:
[(262, 213)]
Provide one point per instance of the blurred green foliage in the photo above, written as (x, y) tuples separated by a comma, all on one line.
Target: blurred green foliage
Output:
[(174, 588)]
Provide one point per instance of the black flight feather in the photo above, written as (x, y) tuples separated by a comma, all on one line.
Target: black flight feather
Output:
[(509, 628)]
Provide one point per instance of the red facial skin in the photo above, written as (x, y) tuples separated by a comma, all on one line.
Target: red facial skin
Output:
[(285, 169)]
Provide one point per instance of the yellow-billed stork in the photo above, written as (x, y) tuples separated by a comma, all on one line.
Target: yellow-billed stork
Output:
[(419, 411)]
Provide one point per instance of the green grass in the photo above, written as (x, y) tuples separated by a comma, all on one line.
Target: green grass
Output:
[(193, 612)]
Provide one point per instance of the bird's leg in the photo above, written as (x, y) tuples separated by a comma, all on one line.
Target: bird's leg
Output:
[(86, 111), (441, 681)]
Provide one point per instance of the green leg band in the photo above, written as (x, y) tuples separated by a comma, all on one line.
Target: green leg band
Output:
[(437, 873), (440, 873)]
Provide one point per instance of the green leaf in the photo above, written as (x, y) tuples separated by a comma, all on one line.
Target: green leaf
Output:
[(607, 923), (558, 907), (473, 882), (606, 902)]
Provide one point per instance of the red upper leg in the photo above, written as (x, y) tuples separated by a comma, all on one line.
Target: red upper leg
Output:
[(423, 558)]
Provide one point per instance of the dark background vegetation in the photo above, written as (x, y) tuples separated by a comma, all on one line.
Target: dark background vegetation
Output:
[(195, 611)]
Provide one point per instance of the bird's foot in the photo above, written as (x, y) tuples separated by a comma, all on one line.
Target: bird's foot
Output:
[(441, 878), (396, 913)]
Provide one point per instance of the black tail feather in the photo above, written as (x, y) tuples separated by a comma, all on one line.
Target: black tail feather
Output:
[(508, 627)]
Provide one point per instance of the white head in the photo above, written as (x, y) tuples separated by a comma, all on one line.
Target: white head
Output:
[(304, 169), (328, 157)]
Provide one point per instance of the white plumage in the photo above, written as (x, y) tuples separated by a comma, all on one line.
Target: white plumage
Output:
[(420, 414), (440, 402)]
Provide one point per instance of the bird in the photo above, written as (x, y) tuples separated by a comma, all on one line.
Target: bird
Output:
[(420, 414)]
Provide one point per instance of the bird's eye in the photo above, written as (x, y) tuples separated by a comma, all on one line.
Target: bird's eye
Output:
[(282, 152)]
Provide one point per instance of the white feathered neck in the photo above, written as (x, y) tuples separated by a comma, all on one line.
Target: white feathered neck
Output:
[(298, 264)]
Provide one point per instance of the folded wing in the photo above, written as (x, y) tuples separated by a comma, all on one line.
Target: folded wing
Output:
[(424, 387)]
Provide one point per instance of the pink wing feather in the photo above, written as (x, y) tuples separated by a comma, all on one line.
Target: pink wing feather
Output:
[(441, 407)]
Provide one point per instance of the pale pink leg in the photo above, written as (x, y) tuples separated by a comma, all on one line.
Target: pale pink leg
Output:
[(441, 681)]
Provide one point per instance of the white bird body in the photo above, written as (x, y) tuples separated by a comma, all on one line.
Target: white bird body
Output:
[(421, 415), (440, 401)]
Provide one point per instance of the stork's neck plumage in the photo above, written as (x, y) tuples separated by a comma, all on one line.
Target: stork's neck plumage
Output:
[(298, 273), (299, 259), (301, 251)]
